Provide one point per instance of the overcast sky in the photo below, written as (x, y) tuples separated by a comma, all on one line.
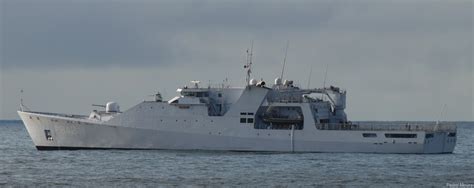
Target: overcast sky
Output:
[(398, 60)]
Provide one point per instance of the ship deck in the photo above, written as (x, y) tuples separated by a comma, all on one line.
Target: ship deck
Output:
[(391, 126), (60, 115), (357, 126)]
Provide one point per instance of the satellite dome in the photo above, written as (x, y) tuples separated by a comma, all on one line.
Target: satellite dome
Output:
[(253, 82), (277, 81)]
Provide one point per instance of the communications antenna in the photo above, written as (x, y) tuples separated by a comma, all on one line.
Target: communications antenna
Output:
[(248, 64), (284, 59)]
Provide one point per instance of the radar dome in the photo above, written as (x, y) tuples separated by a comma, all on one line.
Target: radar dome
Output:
[(112, 107), (277, 81), (253, 82)]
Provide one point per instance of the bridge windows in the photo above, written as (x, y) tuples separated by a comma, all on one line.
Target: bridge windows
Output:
[(202, 94), (324, 121), (369, 135), (400, 135), (195, 93)]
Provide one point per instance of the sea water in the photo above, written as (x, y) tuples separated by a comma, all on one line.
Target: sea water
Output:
[(22, 165)]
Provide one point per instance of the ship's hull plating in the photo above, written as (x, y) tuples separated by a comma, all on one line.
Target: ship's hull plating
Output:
[(66, 134)]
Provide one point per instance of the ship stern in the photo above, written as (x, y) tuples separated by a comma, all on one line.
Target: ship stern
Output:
[(440, 142)]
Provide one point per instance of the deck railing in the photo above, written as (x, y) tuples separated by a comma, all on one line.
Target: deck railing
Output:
[(390, 126), (61, 115)]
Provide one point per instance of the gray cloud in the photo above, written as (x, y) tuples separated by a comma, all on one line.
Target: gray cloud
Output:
[(411, 56), (78, 33), (136, 33)]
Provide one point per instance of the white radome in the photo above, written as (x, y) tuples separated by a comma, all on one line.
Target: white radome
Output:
[(277, 81), (253, 82)]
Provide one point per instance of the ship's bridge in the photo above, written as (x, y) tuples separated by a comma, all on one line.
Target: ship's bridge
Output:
[(194, 92), (191, 96), (217, 100)]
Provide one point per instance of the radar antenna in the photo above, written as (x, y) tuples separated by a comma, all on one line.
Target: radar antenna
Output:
[(196, 83)]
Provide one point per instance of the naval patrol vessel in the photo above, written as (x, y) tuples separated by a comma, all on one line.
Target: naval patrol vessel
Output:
[(255, 117)]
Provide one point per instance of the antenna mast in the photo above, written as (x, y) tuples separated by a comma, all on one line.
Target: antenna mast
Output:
[(284, 59), (248, 64), (325, 75), (310, 72), (324, 83), (443, 112)]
